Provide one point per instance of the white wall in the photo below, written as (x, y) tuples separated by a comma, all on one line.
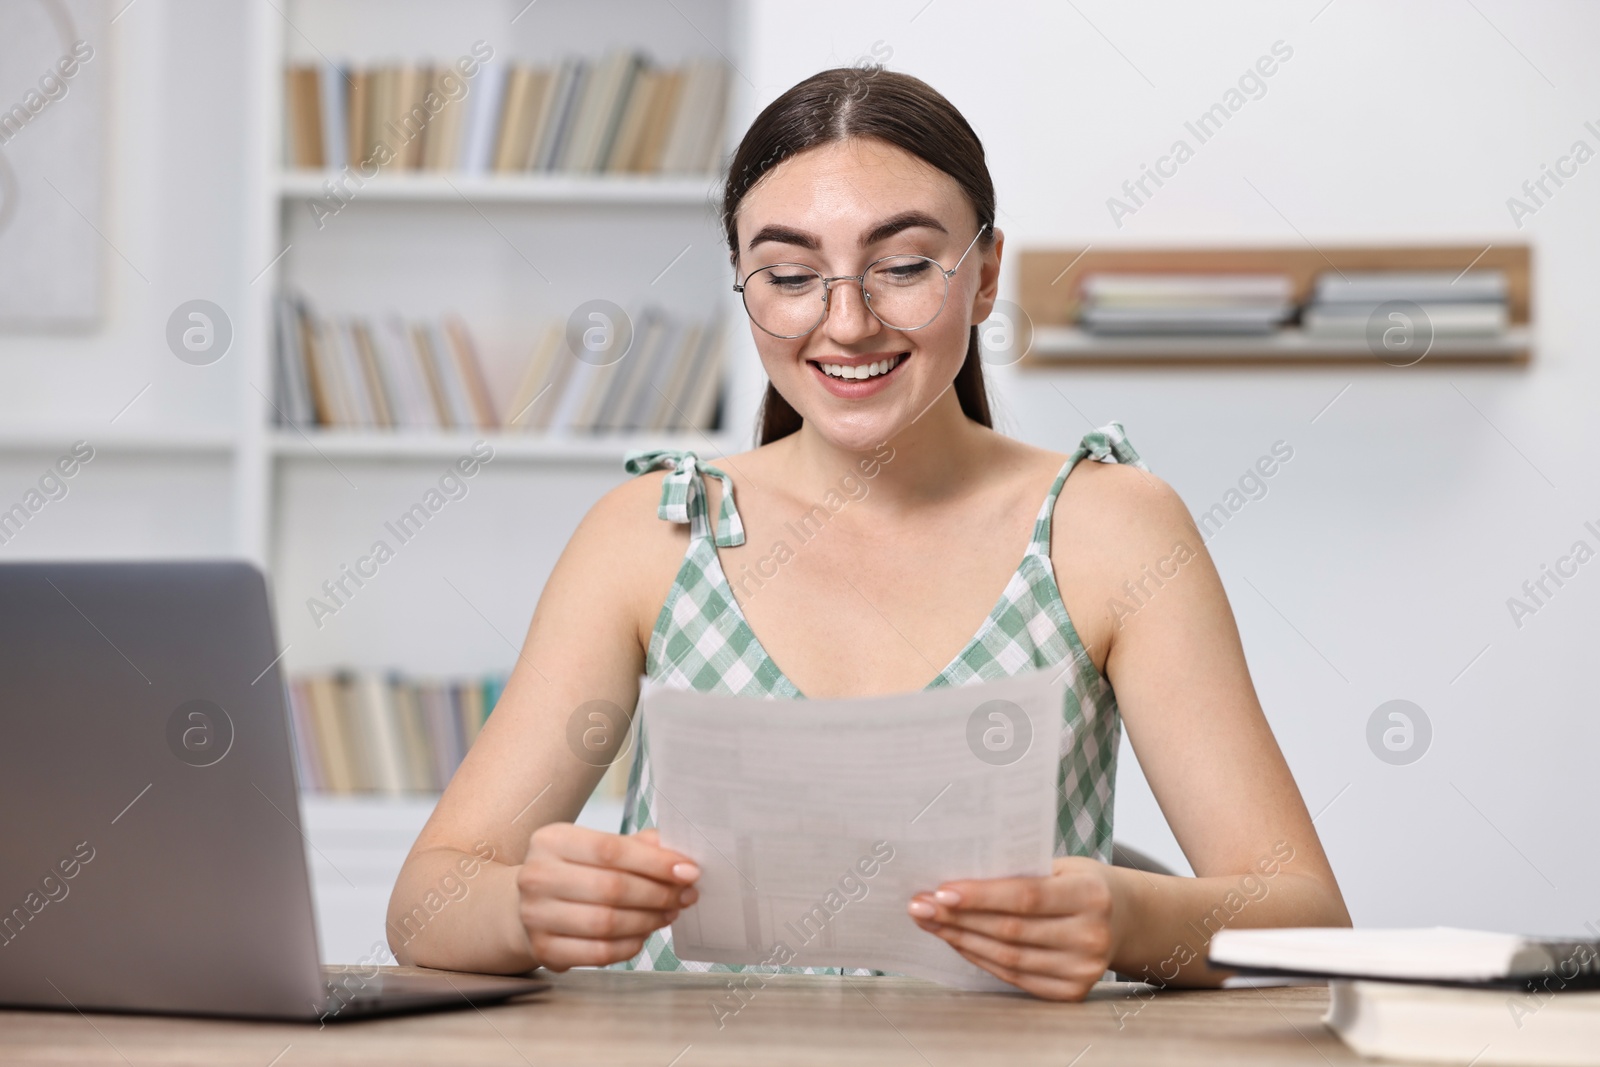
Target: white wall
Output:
[(1406, 518), (1412, 509), (172, 232)]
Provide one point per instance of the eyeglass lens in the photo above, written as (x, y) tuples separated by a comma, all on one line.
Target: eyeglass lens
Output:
[(787, 299)]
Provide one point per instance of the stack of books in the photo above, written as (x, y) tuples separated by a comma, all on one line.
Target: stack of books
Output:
[(616, 114), (1439, 994), (357, 372), (389, 735), (670, 379), (1167, 304), (372, 733), (393, 373), (1454, 304)]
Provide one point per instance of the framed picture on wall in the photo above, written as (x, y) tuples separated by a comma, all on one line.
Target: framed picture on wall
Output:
[(53, 129)]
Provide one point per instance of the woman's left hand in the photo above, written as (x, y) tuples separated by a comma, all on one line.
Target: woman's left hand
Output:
[(1053, 936)]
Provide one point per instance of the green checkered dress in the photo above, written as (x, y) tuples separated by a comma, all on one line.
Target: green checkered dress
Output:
[(701, 641)]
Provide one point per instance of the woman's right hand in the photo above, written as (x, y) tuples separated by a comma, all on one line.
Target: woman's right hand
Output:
[(589, 898)]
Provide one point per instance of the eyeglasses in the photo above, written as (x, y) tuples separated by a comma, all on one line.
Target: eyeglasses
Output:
[(905, 292)]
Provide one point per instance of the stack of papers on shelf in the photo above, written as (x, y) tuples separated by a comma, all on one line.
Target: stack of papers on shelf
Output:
[(1451, 303), (1185, 303), (1440, 994)]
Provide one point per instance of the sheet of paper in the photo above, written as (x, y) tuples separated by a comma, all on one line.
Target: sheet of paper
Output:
[(814, 822)]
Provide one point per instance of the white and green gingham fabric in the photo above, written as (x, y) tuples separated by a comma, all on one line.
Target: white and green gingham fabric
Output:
[(701, 641)]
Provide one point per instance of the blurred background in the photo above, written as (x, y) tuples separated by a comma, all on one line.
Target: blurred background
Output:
[(276, 266)]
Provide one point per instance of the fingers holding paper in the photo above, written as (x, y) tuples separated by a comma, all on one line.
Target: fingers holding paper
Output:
[(1053, 936), (589, 898)]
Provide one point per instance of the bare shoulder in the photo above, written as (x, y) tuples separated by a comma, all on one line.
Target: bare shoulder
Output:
[(1111, 522), (1116, 502), (623, 543), (624, 508), (1108, 501)]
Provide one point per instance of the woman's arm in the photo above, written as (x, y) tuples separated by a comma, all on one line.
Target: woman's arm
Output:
[(499, 880), (1175, 660)]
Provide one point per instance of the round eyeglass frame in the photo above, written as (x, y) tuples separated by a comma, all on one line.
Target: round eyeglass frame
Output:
[(859, 279)]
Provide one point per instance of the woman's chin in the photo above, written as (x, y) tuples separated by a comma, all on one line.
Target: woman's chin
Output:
[(858, 433), (862, 423)]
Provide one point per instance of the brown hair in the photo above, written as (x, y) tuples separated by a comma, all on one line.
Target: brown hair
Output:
[(865, 102)]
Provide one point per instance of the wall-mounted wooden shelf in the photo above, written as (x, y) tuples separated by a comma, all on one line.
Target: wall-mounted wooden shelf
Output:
[(1050, 281)]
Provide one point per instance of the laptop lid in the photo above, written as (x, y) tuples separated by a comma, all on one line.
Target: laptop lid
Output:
[(153, 858)]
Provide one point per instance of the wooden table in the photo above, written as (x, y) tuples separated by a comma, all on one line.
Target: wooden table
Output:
[(662, 1019)]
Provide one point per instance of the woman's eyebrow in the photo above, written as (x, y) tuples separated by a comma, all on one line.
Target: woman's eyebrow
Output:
[(904, 221), (785, 235), (884, 230)]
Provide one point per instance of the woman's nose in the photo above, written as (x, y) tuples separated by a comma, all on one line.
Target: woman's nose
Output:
[(849, 319)]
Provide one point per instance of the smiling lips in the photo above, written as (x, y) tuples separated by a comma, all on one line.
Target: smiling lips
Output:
[(859, 377), (862, 370)]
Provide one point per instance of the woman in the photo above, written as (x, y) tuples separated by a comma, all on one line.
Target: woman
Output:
[(860, 220)]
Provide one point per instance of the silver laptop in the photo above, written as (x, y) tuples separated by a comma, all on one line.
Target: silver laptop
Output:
[(151, 855)]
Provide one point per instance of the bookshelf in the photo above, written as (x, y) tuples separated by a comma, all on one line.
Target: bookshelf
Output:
[(475, 227), (1050, 288), (509, 253)]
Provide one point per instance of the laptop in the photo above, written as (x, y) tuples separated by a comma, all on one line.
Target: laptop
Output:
[(153, 856)]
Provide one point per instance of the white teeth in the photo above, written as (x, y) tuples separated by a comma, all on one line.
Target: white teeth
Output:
[(866, 370)]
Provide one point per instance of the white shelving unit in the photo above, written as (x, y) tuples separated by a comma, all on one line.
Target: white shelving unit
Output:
[(531, 448), (509, 253), (484, 235), (560, 189), (138, 442), (360, 843)]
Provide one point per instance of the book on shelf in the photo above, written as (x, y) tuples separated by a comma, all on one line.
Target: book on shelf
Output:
[(538, 379), (1184, 320), (390, 735), (615, 114), (480, 126), (1422, 286), (304, 119), (1185, 290), (1167, 304), (391, 373), (1445, 320), (1471, 303)]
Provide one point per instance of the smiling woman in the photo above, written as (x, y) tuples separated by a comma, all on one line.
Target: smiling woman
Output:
[(890, 121), (860, 223)]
